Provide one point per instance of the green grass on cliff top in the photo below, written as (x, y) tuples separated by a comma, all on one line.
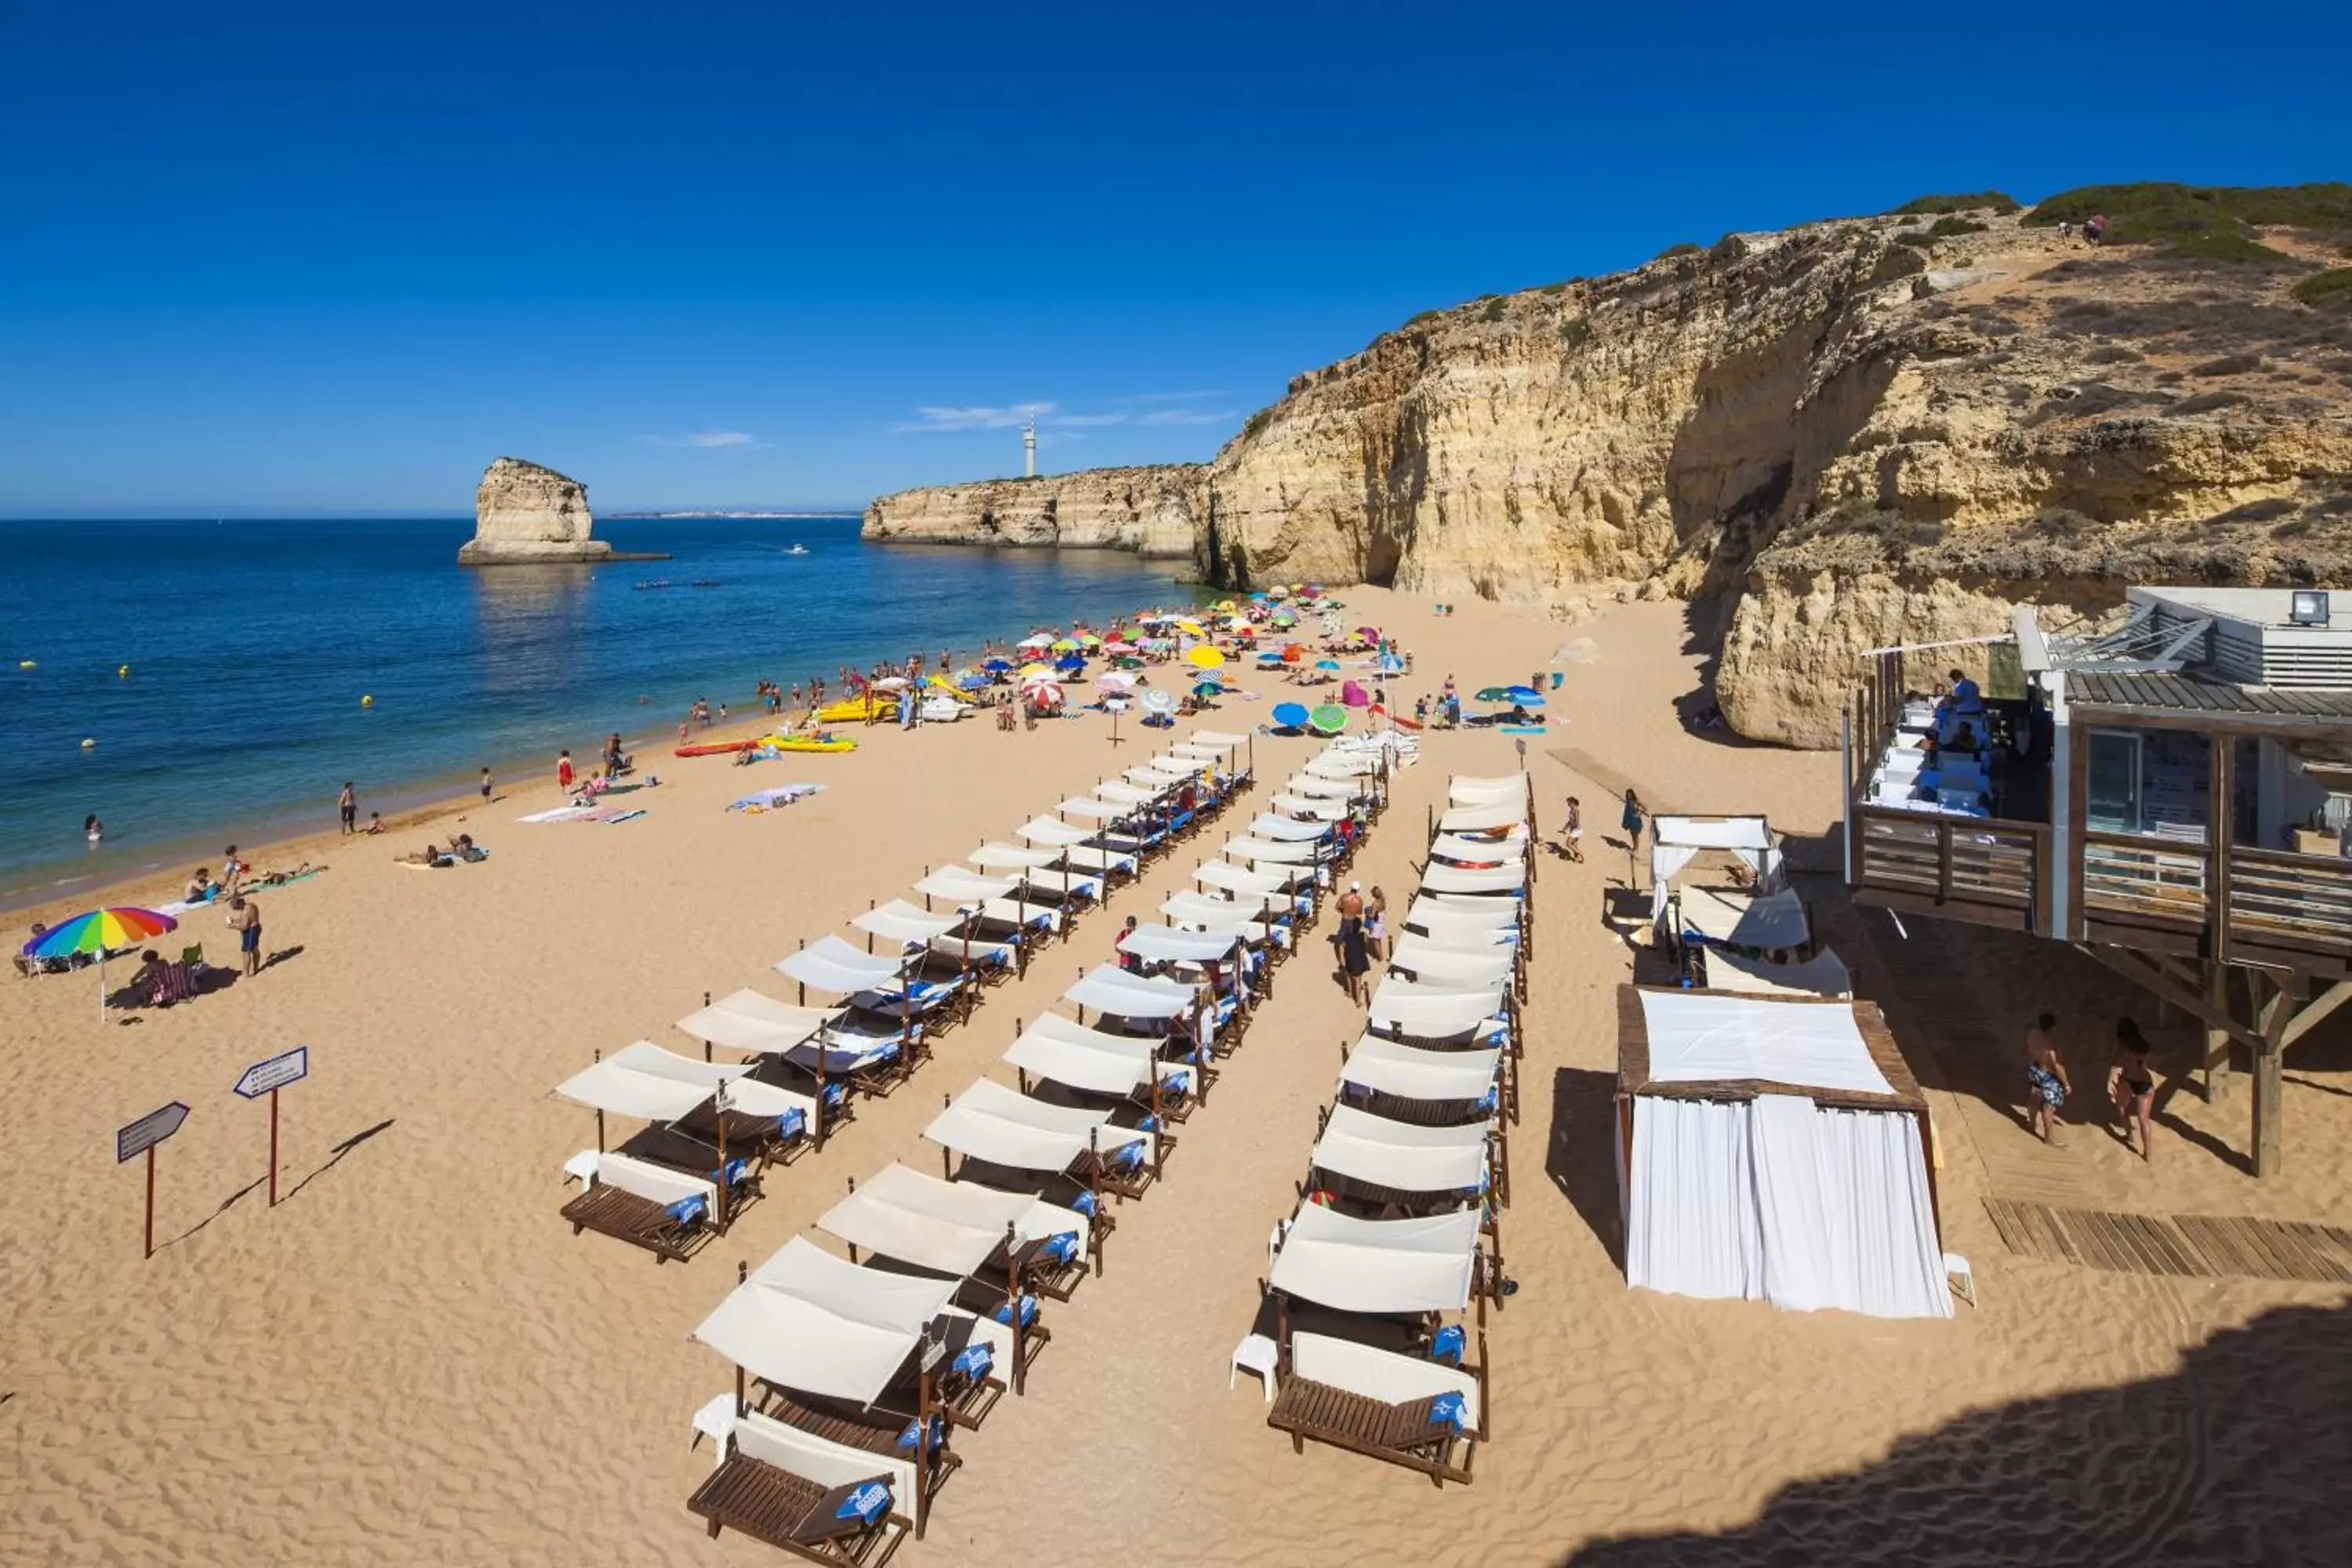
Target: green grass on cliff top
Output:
[(2330, 287), (2212, 223), (1925, 206)]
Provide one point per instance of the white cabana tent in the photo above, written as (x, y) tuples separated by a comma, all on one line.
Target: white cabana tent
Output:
[(1053, 830), (1774, 1150), (1315, 787), (1286, 830), (1233, 879), (1440, 878), (1279, 852), (1107, 988), (831, 964), (1321, 808), (1505, 788), (1165, 945), (1476, 852), (1435, 963), (1013, 858), (964, 887)]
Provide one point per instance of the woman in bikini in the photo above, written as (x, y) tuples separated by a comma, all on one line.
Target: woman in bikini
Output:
[(2132, 1082)]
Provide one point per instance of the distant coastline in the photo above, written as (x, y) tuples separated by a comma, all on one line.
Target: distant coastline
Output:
[(657, 516)]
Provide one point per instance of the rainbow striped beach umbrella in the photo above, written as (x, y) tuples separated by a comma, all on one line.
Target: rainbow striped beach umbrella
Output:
[(97, 931)]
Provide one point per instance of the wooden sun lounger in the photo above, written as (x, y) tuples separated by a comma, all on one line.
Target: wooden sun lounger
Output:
[(641, 1222), (1400, 1434), (747, 1135), (760, 1500)]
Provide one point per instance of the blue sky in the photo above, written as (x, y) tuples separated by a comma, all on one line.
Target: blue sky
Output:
[(336, 258)]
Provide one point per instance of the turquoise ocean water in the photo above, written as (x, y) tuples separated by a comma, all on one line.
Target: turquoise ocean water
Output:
[(250, 643)]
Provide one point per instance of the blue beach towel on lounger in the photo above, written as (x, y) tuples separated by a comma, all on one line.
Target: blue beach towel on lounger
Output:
[(868, 1503), (974, 1361), (1447, 1346), (1028, 1305), (791, 1124), (687, 1210), (1447, 1409), (1062, 1247), (913, 1435)]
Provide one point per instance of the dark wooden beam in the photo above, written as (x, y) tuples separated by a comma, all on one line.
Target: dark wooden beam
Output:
[(2316, 1012), (2135, 968)]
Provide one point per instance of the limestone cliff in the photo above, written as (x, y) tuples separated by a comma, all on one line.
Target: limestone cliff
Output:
[(1146, 510), (1852, 433), (523, 512)]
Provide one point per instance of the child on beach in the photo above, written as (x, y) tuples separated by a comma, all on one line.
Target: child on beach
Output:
[(1571, 843), (376, 822), (348, 804), (563, 768), (2046, 1083), (486, 786)]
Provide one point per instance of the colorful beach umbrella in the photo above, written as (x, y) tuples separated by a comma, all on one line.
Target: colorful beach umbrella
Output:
[(1495, 694), (1352, 694), (997, 666), (1064, 645), (1290, 715), (1330, 717), (1208, 688), (1326, 664), (1043, 693), (1204, 657), (97, 931), (1525, 696), (1158, 702)]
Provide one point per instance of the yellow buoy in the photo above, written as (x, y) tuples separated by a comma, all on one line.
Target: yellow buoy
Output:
[(367, 702), (88, 745), (24, 664), (123, 670)]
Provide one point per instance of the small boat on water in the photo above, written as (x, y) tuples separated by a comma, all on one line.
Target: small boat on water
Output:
[(657, 583), (706, 581), (797, 550)]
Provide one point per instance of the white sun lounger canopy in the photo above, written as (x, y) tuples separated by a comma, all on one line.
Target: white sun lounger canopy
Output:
[(806, 1320), (1004, 1127), (1441, 878), (1127, 793), (1152, 776), (1089, 858), (1164, 945), (1773, 921), (1465, 791), (1433, 964), (1053, 830), (960, 887), (1217, 737), (1108, 988), (1411, 1072), (1461, 930), (1438, 1015), (1101, 810), (1317, 788), (1823, 974), (1378, 1265), (1400, 1154), (1197, 752), (1236, 879), (1013, 858), (1713, 832), (1068, 1053), (1463, 851), (749, 1021), (1244, 917), (1303, 805), (1286, 830), (1491, 818), (1338, 764), (952, 1226), (1708, 1039), (646, 1082), (831, 964), (901, 922)]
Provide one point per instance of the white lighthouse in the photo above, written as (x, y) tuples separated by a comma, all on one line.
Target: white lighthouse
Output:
[(1029, 449)]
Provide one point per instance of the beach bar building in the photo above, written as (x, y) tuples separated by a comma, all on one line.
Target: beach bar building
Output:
[(2167, 794)]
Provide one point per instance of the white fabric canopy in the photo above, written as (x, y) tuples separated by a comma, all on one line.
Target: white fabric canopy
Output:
[(646, 1082), (1782, 1200), (1707, 1039), (1110, 989), (1823, 974), (901, 922), (1092, 858), (1164, 945), (1464, 851), (1338, 764), (1127, 793), (748, 1021), (1279, 852), (1004, 1127), (1069, 1053), (1238, 879), (1286, 830), (962, 887), (1202, 913), (1218, 739), (1486, 817), (831, 964), (1101, 810), (1377, 1265), (1743, 920), (1053, 830), (1712, 832), (1440, 878), (1497, 923), (1438, 1015), (1401, 1156), (806, 1320), (1436, 965), (952, 1226), (1303, 805), (1012, 857), (1385, 1066), (1314, 788), (1463, 790)]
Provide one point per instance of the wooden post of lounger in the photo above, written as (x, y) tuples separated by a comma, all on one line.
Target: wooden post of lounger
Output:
[(742, 1273), (869, 936), (1486, 1393), (1281, 1334), (1094, 1194), (1158, 1127), (706, 1044), (1012, 1308), (947, 1102), (719, 1115), (852, 1245), (599, 1056), (923, 1447), (801, 986)]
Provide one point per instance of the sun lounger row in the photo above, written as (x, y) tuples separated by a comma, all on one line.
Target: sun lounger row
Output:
[(1398, 1222)]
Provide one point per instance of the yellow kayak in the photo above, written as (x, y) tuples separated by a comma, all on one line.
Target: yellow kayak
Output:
[(858, 710), (808, 743)]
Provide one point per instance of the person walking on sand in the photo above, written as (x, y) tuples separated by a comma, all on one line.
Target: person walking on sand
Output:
[(2046, 1083), (1632, 820), (487, 787), (233, 870), (348, 805), (563, 773), (1376, 925), (1571, 833), (2131, 1082), (245, 919), (1354, 962)]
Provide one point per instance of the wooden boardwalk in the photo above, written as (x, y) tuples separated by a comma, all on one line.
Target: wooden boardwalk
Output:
[(2188, 1245)]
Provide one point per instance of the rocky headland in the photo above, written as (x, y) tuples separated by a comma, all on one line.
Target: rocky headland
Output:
[(1852, 433), (525, 514)]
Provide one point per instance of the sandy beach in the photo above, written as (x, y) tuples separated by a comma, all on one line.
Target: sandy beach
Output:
[(411, 1360)]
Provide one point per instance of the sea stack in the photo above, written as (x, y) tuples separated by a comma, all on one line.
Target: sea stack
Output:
[(525, 513)]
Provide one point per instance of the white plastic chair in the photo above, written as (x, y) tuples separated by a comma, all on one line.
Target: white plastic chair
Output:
[(1256, 1354)]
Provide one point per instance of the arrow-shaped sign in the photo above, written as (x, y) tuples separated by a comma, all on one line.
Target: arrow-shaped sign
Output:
[(147, 1132), (290, 1067)]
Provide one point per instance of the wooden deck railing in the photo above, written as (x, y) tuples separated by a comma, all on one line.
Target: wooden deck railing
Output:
[(1957, 860), (2300, 903), (2144, 879)]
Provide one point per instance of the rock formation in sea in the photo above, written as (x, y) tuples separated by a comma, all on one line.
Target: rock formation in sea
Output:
[(1146, 510), (526, 514), (1852, 433)]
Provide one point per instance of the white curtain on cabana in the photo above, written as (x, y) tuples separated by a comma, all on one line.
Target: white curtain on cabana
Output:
[(1778, 1199)]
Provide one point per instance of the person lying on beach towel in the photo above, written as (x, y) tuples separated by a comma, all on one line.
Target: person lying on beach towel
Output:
[(430, 855), (465, 850)]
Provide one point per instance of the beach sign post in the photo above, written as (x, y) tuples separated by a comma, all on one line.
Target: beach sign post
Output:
[(268, 1078), (141, 1137)]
